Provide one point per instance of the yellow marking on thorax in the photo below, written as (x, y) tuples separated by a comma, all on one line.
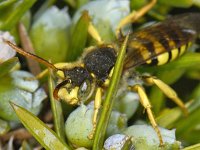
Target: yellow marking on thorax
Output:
[(107, 81), (60, 74), (149, 61)]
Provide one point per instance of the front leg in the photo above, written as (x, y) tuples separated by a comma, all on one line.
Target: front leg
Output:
[(97, 105)]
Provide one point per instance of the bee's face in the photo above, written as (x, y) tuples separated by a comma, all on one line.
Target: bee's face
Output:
[(77, 86)]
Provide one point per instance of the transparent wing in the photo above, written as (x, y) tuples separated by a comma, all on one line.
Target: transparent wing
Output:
[(159, 38)]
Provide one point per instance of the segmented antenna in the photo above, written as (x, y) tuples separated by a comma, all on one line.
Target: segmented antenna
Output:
[(57, 88), (32, 56)]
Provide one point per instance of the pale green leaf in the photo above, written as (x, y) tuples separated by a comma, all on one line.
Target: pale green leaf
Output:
[(44, 135)]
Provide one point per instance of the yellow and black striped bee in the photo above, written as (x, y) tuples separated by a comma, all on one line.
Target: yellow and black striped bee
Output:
[(154, 45), (163, 42)]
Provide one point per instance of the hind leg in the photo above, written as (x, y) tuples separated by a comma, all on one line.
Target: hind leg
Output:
[(146, 104)]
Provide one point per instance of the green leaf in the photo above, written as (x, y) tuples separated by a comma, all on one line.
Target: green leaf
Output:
[(6, 66), (177, 3), (157, 98), (79, 37), (25, 146), (187, 124), (4, 127), (109, 100), (192, 137), (57, 111), (7, 3), (13, 12), (168, 117), (43, 8), (137, 4), (193, 147), (44, 135)]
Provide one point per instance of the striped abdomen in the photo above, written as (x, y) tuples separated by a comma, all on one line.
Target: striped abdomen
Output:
[(163, 42)]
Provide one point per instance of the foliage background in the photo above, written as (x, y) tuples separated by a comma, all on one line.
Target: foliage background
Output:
[(183, 75)]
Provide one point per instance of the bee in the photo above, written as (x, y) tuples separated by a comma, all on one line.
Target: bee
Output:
[(157, 44)]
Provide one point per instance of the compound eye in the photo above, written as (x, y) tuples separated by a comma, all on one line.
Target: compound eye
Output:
[(85, 90)]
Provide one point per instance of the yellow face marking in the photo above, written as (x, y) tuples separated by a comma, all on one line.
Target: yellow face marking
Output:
[(174, 54), (70, 97), (163, 58)]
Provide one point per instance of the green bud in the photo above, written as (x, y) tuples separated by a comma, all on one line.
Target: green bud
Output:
[(26, 20), (177, 3), (79, 125), (117, 123), (127, 103), (105, 15), (49, 34), (118, 142), (144, 137), (15, 87)]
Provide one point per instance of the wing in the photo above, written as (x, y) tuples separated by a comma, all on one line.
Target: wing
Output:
[(148, 44)]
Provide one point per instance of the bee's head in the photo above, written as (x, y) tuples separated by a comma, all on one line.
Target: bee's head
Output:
[(76, 86), (75, 83)]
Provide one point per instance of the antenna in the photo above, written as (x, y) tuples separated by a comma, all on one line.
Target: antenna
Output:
[(32, 56)]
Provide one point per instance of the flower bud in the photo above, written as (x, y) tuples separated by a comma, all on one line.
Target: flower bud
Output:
[(118, 142), (145, 137), (127, 103), (79, 125), (15, 87), (117, 123), (49, 34), (6, 52), (105, 15)]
